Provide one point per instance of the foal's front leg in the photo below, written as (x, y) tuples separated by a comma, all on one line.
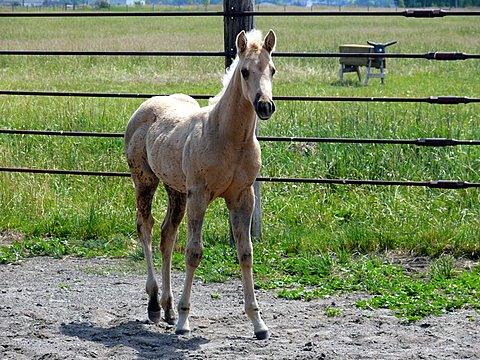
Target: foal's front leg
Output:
[(241, 209), (197, 203)]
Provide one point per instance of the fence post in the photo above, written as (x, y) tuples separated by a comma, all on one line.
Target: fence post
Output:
[(232, 26)]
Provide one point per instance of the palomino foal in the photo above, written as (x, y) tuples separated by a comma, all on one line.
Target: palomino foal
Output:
[(200, 154)]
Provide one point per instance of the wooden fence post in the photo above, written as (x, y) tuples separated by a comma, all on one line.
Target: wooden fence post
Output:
[(232, 26)]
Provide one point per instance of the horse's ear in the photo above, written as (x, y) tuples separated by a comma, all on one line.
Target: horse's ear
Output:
[(269, 42), (241, 42)]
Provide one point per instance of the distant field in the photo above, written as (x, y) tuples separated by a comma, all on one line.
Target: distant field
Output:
[(297, 219)]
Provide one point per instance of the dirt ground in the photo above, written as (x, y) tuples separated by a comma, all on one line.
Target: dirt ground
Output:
[(96, 309)]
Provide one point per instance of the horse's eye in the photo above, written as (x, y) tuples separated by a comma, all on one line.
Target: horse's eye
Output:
[(245, 73)]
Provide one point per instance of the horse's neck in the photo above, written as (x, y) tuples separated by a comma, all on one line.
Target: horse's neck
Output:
[(233, 115)]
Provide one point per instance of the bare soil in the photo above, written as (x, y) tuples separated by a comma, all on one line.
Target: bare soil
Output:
[(75, 308)]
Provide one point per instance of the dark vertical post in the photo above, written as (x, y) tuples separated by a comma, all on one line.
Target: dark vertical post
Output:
[(232, 26)]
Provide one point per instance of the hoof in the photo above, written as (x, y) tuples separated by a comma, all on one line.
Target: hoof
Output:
[(262, 335), (170, 318), (183, 332), (170, 321), (154, 316)]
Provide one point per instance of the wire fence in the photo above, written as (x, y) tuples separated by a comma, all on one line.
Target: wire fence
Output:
[(443, 56), (416, 13), (409, 13)]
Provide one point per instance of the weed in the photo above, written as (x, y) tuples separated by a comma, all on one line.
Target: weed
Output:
[(443, 267), (331, 312), (59, 247)]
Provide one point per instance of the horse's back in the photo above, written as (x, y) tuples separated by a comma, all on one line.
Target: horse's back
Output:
[(155, 136), (158, 108)]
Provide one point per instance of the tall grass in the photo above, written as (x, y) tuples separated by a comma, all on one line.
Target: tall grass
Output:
[(298, 219)]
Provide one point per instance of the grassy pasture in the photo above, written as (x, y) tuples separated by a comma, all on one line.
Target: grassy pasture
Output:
[(299, 218), (310, 231)]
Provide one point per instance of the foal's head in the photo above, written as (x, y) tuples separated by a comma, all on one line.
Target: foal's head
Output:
[(257, 69)]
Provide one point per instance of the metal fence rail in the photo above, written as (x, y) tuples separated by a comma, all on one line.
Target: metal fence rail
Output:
[(436, 184), (438, 55), (409, 13), (441, 100), (431, 142)]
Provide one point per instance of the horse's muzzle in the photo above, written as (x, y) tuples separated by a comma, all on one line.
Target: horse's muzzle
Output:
[(264, 108)]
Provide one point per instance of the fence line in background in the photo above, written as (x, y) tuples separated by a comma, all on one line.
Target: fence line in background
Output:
[(437, 55), (409, 13), (238, 16), (231, 14)]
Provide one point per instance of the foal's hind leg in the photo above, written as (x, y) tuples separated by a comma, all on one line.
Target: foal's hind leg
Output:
[(144, 192), (175, 213)]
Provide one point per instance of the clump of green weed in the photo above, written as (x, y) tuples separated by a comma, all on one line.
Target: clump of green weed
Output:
[(331, 311), (58, 247), (443, 267)]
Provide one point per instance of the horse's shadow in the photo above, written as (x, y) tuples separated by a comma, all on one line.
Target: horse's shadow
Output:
[(133, 334)]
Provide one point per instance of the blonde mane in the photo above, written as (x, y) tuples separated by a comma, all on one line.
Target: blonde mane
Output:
[(255, 42)]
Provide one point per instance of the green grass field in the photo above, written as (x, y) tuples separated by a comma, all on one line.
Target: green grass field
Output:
[(91, 215)]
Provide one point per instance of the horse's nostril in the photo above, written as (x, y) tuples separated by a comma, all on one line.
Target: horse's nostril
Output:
[(269, 107), (265, 109)]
